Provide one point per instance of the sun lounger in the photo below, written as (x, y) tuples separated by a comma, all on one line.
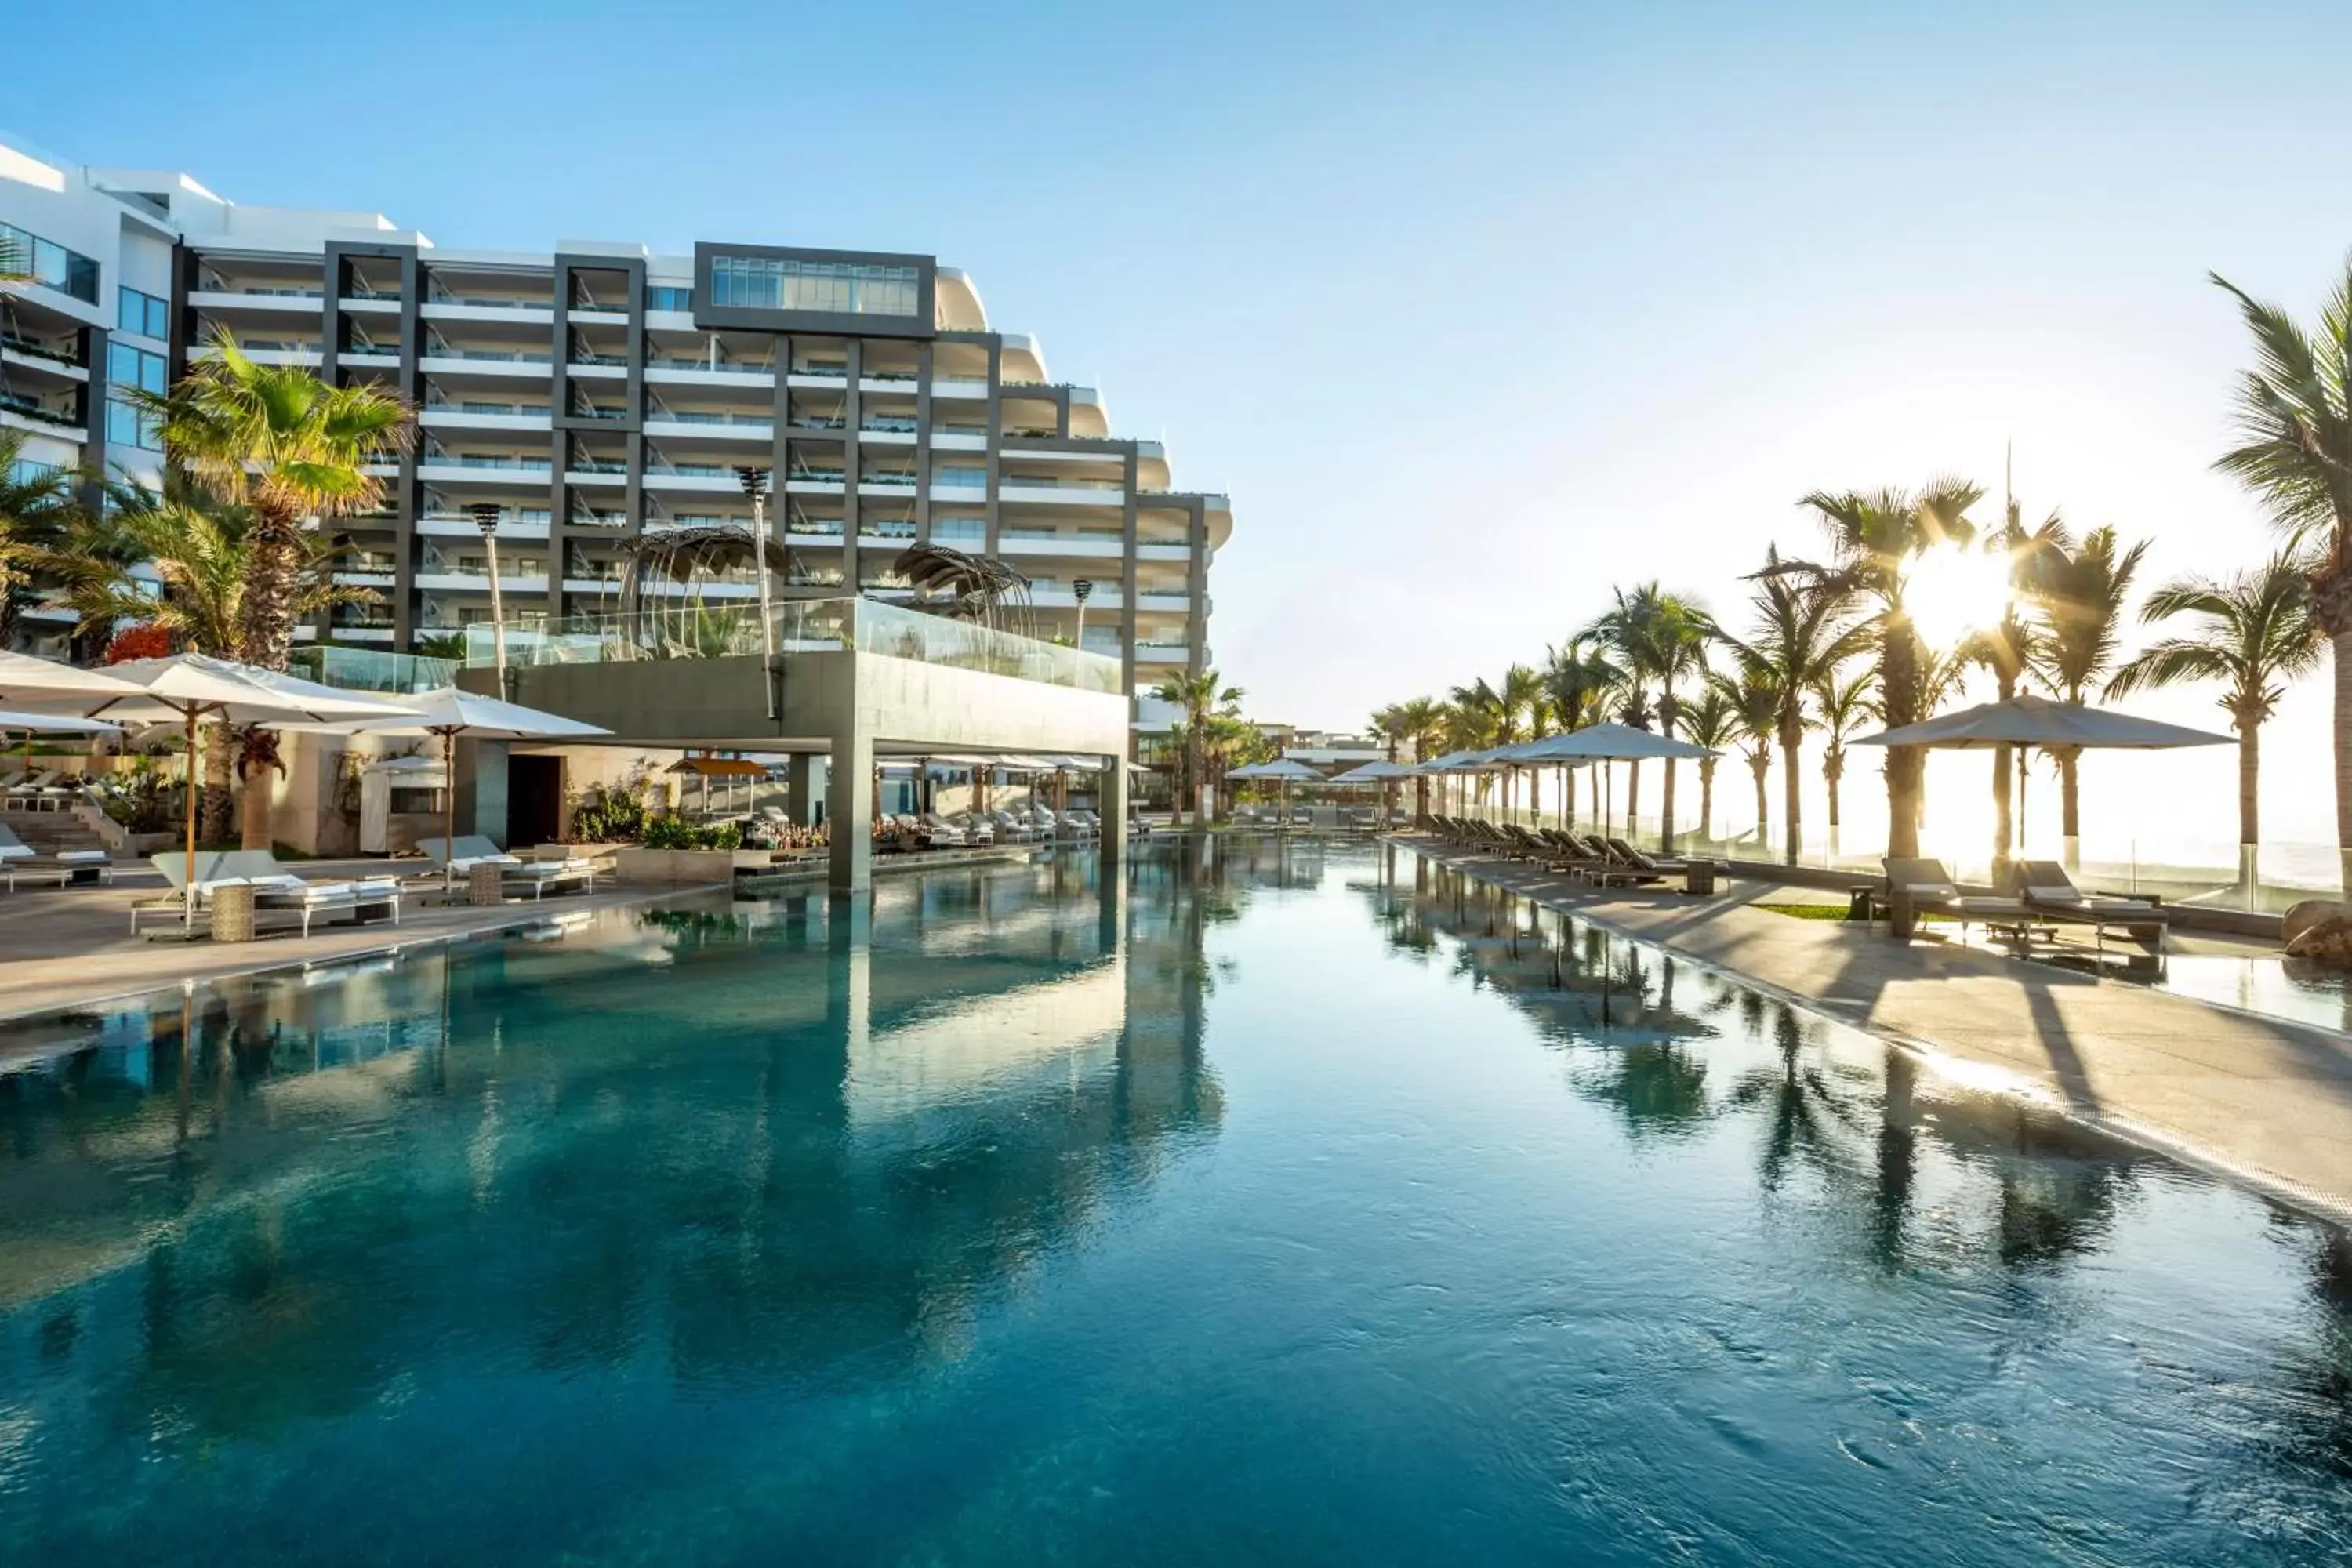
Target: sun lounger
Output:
[(460, 856), (2046, 889), (275, 889), (18, 858), (1930, 888)]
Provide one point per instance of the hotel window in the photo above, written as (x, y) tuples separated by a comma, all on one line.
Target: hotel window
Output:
[(142, 313), (50, 264), (665, 297), (835, 287), (126, 425)]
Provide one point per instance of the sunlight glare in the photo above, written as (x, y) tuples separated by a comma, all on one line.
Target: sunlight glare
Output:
[(1953, 592)]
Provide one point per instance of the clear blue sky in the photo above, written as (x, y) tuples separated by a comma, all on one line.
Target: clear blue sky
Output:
[(1473, 311)]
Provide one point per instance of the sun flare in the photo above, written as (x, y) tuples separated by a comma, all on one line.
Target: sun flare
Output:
[(1953, 592)]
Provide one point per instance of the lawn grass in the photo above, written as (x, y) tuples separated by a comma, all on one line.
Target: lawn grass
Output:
[(1835, 912)]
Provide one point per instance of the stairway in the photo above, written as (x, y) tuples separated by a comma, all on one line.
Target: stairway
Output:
[(48, 832)]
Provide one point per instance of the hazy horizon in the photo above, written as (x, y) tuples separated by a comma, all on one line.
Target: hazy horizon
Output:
[(1473, 313)]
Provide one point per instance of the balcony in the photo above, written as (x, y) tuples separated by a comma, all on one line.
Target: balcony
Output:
[(41, 416), (42, 358)]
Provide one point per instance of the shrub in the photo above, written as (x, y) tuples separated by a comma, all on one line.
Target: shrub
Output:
[(145, 640), (677, 833), (611, 814)]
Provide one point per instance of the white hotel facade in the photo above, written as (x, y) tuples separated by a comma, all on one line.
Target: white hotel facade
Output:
[(600, 391)]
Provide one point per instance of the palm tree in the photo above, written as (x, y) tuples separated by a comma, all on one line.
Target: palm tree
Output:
[(1578, 680), (289, 446), (1708, 723), (2011, 647), (1754, 704), (1876, 538), (36, 504), (1844, 702), (2257, 634), (1199, 696), (2295, 451), (201, 547), (1660, 637), (1804, 631), (2083, 618), (1419, 724)]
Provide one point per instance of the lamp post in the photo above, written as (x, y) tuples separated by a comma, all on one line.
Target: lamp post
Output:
[(485, 518), (1083, 589), (755, 487)]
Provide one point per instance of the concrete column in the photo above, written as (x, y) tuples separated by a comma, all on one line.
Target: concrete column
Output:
[(1114, 814), (849, 805), (481, 784), (799, 788)]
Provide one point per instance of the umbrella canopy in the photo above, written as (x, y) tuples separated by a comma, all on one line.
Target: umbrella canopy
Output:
[(716, 767), (193, 686), (1282, 768), (24, 679), (1610, 743), (54, 725), (1375, 772), (2038, 721), (448, 708)]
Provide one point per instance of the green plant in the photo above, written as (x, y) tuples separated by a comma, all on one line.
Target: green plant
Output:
[(610, 813), (677, 833)]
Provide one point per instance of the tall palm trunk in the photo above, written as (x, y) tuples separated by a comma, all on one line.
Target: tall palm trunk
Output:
[(1667, 709), (1832, 774), (2070, 802), (2003, 832), (1790, 741), (2339, 639), (212, 801), (1633, 796), (1760, 766), (1905, 766), (1707, 799), (273, 584), (2250, 805)]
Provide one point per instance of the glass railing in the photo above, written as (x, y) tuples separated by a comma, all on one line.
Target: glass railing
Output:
[(691, 470), (502, 356), (814, 476), (724, 367), (1035, 482), (369, 669), (595, 466), (16, 402), (890, 426), (805, 422), (257, 291), (10, 341), (743, 421), (610, 416), (679, 628), (491, 302), (476, 460), (830, 372), (582, 356)]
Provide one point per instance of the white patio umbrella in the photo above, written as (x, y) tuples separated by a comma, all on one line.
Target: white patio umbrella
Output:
[(2029, 721), (194, 687), (1608, 743), (24, 679), (1385, 773), (1282, 770), (450, 712)]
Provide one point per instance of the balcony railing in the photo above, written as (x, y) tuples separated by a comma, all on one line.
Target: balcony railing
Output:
[(683, 628), (16, 344), (502, 356), (16, 402)]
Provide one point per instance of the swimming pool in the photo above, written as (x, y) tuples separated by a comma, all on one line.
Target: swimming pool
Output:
[(1288, 1206)]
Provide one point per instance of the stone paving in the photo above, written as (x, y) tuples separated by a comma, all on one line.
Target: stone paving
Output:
[(2263, 1098)]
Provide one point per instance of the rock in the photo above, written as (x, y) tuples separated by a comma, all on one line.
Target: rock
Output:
[(2326, 941), (2302, 917)]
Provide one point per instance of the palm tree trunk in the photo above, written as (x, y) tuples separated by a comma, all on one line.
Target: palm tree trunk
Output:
[(2070, 804), (1632, 797), (1899, 680), (214, 801), (1707, 799), (2250, 806), (2003, 834), (1760, 766), (1666, 714), (2340, 645), (1833, 771), (1790, 744), (273, 568)]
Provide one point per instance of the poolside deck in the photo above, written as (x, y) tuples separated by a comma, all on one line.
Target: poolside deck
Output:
[(2263, 1098), (63, 946)]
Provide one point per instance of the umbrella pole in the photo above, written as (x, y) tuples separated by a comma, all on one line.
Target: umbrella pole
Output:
[(448, 811), (188, 869)]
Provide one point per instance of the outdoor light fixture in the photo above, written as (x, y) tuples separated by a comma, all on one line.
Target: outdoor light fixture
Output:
[(1083, 589), (755, 489), (485, 518)]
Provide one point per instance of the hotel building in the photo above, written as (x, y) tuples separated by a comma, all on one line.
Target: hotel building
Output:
[(600, 392)]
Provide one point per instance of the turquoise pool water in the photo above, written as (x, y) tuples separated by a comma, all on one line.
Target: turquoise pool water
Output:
[(1287, 1208)]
